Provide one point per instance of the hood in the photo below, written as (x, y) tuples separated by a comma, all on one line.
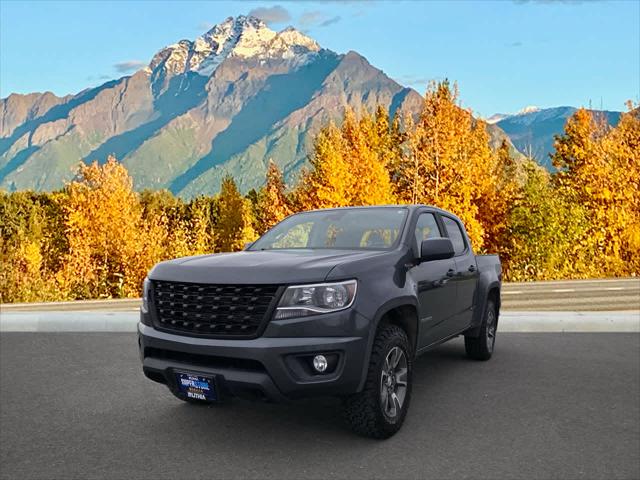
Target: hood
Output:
[(262, 267)]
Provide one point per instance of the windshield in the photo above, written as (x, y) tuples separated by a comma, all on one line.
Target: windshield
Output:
[(351, 228)]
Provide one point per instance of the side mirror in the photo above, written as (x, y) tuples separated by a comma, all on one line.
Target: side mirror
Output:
[(247, 245), (436, 249)]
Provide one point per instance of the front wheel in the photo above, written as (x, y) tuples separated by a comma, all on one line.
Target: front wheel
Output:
[(481, 347), (378, 411)]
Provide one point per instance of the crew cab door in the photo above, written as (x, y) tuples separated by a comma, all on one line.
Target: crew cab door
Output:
[(435, 289), (466, 275)]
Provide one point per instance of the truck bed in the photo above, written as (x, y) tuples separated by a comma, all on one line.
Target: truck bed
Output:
[(489, 262)]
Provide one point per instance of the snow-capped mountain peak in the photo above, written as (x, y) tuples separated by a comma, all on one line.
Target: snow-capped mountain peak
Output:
[(498, 117), (528, 109), (242, 36)]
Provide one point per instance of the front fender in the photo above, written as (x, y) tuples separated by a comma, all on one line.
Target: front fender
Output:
[(402, 301)]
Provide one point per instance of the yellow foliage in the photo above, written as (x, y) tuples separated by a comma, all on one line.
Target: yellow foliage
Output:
[(600, 170), (348, 167), (449, 162), (273, 204), (234, 227), (103, 223), (98, 238)]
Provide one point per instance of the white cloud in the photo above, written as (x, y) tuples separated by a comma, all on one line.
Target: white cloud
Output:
[(316, 18), (129, 66), (413, 80), (275, 14)]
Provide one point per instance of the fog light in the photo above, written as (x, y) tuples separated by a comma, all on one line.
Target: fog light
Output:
[(320, 363)]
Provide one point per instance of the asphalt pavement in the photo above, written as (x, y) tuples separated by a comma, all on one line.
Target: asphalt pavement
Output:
[(546, 406)]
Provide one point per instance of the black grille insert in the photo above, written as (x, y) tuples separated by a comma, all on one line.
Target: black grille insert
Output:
[(212, 310), (205, 360)]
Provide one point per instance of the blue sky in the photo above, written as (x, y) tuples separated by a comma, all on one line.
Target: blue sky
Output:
[(504, 54)]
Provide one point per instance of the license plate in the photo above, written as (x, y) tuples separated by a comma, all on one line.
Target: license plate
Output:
[(196, 386)]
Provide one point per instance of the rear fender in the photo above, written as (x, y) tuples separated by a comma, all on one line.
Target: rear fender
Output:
[(486, 283)]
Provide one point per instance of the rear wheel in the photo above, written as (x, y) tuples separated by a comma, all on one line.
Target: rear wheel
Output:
[(378, 411), (481, 347)]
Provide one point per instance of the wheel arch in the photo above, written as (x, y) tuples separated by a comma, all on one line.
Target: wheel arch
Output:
[(487, 289), (494, 294), (401, 311)]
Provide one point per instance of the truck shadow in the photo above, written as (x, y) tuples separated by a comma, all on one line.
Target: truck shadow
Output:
[(316, 418)]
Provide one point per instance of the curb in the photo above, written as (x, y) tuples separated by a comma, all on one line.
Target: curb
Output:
[(76, 321), (565, 322), (510, 322)]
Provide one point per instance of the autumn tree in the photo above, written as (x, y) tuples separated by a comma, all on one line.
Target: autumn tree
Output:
[(497, 200), (365, 151), (272, 203), (348, 165), (200, 223), (622, 147), (233, 228), (388, 138), (164, 227), (542, 239), (97, 237), (32, 242), (327, 183), (102, 225), (448, 163), (598, 169)]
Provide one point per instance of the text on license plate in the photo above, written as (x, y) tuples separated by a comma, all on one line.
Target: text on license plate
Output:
[(196, 386)]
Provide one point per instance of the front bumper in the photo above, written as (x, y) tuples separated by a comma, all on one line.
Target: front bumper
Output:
[(269, 367)]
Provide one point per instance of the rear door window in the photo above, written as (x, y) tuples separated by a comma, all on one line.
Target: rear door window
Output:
[(454, 232)]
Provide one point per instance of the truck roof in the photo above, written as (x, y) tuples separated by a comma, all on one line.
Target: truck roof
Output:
[(411, 206)]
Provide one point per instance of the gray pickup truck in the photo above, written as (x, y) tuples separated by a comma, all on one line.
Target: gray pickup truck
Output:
[(328, 302)]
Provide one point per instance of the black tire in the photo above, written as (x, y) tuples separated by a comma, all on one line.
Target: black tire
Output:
[(482, 346), (364, 411)]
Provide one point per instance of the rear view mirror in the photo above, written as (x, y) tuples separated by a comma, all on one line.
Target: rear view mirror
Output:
[(436, 249)]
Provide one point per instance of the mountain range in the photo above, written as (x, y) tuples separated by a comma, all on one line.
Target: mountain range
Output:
[(224, 103)]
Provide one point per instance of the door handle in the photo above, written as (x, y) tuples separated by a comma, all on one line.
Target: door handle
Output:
[(472, 268), (451, 272)]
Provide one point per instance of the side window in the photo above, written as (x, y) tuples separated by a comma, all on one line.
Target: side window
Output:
[(455, 234), (426, 228)]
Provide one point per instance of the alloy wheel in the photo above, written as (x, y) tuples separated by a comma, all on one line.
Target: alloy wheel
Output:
[(393, 382), (491, 330)]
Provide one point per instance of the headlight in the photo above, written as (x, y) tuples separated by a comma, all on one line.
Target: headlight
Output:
[(146, 286), (303, 300)]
